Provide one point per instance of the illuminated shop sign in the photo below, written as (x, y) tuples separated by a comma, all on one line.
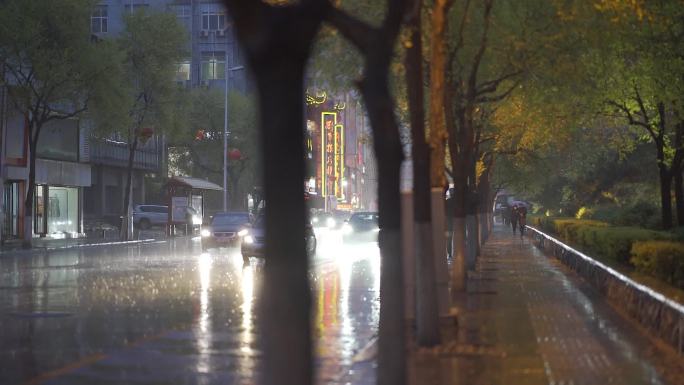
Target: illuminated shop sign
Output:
[(339, 159), (332, 155)]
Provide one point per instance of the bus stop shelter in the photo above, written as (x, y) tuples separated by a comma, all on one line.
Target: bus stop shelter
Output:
[(183, 192)]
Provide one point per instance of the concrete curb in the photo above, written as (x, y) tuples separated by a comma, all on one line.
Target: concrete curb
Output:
[(661, 316), (40, 250)]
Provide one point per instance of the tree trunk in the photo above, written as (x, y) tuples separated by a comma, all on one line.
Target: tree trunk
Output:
[(458, 270), (127, 209), (427, 310), (679, 194), (663, 171), (483, 191), (459, 250), (31, 188), (665, 196), (286, 299), (438, 133), (277, 42), (458, 238), (387, 144), (677, 173), (377, 46), (471, 240)]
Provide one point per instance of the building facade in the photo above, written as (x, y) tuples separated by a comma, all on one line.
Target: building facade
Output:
[(214, 61), (62, 171), (215, 57), (79, 176)]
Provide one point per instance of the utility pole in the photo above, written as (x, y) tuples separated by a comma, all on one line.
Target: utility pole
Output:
[(225, 136)]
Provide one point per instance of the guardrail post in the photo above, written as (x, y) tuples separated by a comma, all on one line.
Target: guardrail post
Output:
[(681, 335)]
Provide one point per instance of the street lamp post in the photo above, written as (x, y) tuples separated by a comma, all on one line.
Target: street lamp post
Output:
[(225, 139)]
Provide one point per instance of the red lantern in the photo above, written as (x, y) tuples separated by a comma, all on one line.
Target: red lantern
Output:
[(234, 154), (145, 134)]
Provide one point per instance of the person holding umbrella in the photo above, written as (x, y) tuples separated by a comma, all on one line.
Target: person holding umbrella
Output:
[(519, 216), (514, 216)]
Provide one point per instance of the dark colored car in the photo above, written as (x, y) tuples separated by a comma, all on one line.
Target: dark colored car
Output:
[(331, 220), (254, 240), (361, 226), (321, 219), (224, 230)]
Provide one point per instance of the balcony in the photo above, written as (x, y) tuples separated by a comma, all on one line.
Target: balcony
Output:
[(114, 153)]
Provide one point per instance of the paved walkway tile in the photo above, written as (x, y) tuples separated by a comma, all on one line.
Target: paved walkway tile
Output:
[(527, 319)]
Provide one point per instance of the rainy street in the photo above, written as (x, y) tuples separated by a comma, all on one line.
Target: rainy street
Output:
[(168, 313)]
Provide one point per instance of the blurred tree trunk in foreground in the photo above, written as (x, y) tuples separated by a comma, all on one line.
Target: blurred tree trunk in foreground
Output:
[(277, 41)]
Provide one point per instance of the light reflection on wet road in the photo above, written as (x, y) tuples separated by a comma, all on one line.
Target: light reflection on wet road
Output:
[(167, 313)]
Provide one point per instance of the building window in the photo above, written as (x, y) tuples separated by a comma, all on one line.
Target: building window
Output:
[(98, 19), (132, 8), (214, 66), (182, 14), (62, 210), (183, 71), (213, 20)]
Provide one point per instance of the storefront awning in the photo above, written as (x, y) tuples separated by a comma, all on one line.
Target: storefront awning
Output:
[(193, 183)]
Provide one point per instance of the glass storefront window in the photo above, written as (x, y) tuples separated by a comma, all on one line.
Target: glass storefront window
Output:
[(12, 200), (39, 207), (62, 210)]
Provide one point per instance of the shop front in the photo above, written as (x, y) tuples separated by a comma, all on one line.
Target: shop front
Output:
[(57, 211)]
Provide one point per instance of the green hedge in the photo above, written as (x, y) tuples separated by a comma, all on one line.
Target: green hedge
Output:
[(614, 243), (662, 259), (599, 239)]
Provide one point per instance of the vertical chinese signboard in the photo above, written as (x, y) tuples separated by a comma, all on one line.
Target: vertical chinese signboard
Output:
[(339, 160), (328, 122)]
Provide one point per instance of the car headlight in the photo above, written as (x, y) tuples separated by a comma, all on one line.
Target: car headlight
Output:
[(205, 233), (330, 222), (243, 232), (347, 229), (248, 239)]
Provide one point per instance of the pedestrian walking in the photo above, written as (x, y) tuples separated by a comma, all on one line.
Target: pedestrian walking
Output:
[(514, 217), (505, 214), (522, 219)]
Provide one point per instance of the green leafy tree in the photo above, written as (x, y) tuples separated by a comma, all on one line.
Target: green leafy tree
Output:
[(198, 145), (153, 44), (55, 70)]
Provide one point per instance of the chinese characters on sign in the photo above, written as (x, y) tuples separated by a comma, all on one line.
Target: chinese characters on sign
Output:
[(328, 120), (339, 160)]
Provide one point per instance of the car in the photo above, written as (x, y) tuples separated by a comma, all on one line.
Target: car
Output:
[(323, 219), (361, 226), (254, 240), (146, 216), (330, 220), (225, 229)]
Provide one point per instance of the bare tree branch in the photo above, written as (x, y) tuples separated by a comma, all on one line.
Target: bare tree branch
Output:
[(492, 85), (358, 32), (472, 79), (500, 97)]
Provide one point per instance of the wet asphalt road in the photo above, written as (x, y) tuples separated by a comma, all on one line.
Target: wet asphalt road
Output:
[(168, 313)]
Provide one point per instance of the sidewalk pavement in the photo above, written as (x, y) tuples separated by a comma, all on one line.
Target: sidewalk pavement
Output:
[(527, 319), (40, 245)]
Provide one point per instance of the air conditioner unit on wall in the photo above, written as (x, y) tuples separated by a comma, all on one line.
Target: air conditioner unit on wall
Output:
[(204, 33), (221, 32)]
